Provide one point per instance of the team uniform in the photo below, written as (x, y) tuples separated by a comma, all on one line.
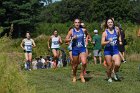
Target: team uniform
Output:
[(28, 49), (112, 47), (78, 45), (70, 46), (55, 43), (28, 45)]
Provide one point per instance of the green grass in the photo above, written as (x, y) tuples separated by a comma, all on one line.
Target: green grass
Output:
[(12, 78), (15, 80), (59, 81)]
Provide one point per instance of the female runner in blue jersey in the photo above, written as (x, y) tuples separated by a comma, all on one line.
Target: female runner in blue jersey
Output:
[(78, 48), (110, 39)]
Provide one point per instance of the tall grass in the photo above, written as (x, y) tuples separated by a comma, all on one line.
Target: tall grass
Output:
[(12, 78)]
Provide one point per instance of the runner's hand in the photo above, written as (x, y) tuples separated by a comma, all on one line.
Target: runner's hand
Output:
[(49, 48), (120, 43), (74, 37), (110, 39)]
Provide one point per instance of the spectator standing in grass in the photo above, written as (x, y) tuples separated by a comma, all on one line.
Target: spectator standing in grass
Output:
[(97, 47)]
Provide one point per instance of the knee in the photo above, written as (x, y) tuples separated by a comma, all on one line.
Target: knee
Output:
[(84, 63), (55, 56), (27, 60), (110, 67), (117, 64)]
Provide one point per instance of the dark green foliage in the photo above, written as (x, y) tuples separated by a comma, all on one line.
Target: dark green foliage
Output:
[(92, 10), (22, 13)]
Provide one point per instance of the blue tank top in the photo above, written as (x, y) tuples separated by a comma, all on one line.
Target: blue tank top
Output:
[(79, 42), (114, 43)]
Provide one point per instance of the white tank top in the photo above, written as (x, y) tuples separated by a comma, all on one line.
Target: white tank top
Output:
[(28, 44), (55, 42)]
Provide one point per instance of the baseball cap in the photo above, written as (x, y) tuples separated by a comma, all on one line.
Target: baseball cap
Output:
[(95, 31)]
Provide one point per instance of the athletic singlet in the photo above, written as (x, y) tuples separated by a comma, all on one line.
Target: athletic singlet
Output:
[(28, 44), (55, 42), (85, 40), (79, 41), (114, 43)]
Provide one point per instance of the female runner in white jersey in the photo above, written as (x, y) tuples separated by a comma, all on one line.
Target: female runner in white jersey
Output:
[(27, 44), (55, 40)]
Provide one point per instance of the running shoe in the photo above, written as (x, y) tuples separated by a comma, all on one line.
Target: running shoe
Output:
[(74, 79), (110, 80), (30, 70), (115, 77), (124, 61), (82, 79)]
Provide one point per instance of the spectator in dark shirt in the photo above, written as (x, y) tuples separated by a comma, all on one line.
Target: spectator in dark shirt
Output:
[(122, 47)]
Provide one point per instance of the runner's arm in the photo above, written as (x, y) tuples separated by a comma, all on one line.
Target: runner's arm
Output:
[(138, 33), (67, 39), (49, 39), (88, 37), (21, 45), (103, 42), (120, 39), (60, 40), (34, 45), (93, 41)]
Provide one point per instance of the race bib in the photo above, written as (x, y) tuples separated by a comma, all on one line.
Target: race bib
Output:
[(28, 47), (113, 43), (79, 44), (56, 42)]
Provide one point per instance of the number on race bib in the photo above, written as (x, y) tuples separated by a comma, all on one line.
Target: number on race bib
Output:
[(56, 43), (79, 44), (113, 43), (28, 48)]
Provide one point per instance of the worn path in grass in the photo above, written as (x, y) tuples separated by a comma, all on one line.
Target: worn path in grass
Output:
[(59, 81)]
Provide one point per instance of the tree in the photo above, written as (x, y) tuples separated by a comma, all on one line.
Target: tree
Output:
[(23, 14), (91, 10)]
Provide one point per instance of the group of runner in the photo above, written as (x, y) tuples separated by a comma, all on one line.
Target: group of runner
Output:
[(77, 40)]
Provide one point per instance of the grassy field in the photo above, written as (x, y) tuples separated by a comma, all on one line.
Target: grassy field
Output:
[(59, 81), (15, 80)]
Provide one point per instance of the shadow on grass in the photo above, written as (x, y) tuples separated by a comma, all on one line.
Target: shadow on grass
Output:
[(119, 80), (87, 78), (88, 72)]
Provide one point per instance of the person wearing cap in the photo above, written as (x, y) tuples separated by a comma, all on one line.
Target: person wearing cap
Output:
[(87, 38), (97, 47)]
